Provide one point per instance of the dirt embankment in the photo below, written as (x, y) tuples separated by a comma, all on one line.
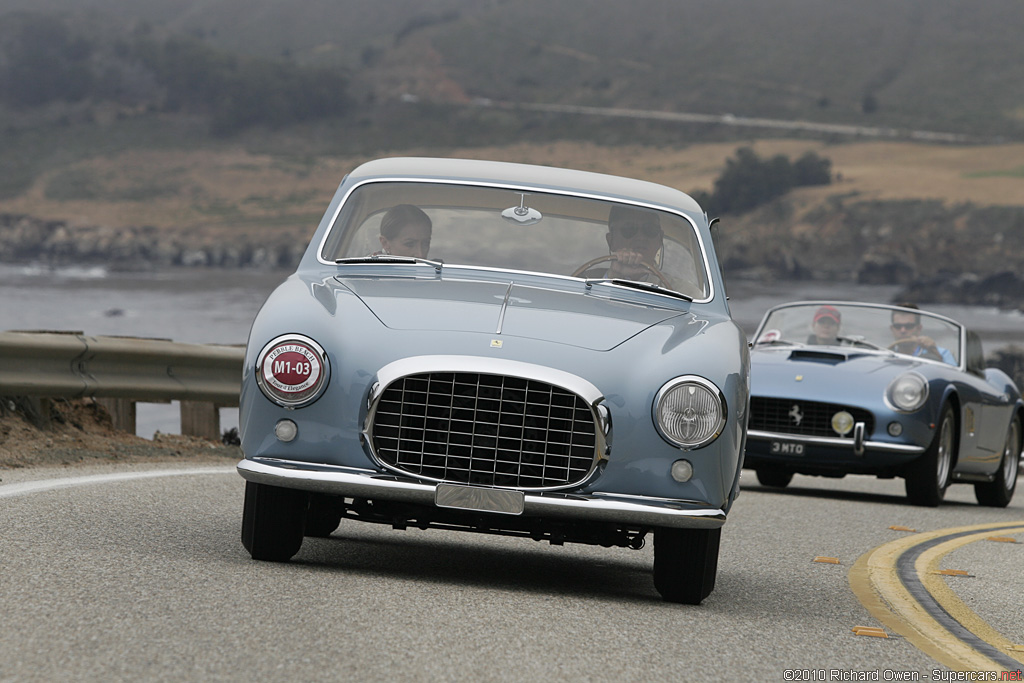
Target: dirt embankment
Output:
[(80, 432)]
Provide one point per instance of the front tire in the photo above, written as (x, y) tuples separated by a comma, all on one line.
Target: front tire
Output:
[(773, 477), (323, 516), (685, 563), (928, 477), (999, 492), (273, 521)]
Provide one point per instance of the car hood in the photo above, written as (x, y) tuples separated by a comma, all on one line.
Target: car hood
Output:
[(824, 374), (577, 318)]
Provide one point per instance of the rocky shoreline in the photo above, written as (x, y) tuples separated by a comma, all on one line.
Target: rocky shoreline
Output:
[(24, 239), (962, 254)]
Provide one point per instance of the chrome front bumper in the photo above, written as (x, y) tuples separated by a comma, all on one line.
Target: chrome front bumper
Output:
[(858, 445), (598, 507)]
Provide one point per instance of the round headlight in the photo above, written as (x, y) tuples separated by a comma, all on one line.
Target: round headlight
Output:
[(689, 412), (292, 371), (908, 392)]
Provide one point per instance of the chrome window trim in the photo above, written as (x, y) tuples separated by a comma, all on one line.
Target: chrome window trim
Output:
[(961, 328), (527, 188), (404, 367)]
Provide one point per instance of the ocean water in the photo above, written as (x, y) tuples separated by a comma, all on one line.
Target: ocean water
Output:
[(213, 306), (199, 306)]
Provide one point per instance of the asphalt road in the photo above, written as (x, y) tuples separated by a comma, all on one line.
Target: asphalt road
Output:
[(145, 579)]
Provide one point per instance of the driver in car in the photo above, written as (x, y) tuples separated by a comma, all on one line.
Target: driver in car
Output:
[(634, 237), (907, 331)]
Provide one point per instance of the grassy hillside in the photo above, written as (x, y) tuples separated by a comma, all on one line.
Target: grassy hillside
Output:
[(946, 65), (141, 145)]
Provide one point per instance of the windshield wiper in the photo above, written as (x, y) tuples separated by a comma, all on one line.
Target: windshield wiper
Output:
[(388, 258), (860, 341), (634, 284), (778, 342)]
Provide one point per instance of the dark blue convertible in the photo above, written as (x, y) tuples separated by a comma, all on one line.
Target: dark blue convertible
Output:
[(854, 388)]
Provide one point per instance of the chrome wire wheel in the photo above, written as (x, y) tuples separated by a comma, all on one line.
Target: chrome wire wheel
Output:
[(927, 478), (999, 491), (944, 456), (1011, 456)]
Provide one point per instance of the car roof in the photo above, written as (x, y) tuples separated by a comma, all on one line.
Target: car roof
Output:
[(505, 173)]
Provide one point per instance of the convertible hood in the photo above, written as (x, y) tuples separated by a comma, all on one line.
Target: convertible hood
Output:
[(575, 318)]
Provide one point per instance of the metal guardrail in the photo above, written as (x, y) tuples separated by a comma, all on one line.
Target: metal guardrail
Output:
[(123, 370)]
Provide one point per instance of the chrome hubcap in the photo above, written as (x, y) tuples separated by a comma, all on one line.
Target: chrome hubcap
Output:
[(1011, 455), (945, 452)]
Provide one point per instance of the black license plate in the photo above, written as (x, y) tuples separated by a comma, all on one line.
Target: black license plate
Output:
[(786, 448)]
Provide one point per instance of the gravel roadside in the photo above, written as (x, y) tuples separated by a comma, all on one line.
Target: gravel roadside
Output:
[(80, 433)]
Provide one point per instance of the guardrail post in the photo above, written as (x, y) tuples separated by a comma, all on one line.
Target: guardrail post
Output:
[(200, 418), (122, 413)]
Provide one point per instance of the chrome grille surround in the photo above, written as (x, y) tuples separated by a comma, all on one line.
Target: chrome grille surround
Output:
[(487, 422)]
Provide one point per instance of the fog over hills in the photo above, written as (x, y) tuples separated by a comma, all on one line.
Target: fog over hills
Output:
[(943, 65), (214, 131)]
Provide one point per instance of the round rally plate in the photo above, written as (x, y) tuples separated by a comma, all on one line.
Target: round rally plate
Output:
[(292, 368)]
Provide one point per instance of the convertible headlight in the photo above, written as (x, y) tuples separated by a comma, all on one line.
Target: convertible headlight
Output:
[(689, 412), (292, 371), (908, 392)]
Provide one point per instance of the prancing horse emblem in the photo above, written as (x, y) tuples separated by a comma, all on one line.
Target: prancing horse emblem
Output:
[(796, 415)]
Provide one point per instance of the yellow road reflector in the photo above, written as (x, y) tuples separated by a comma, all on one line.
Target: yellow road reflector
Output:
[(1002, 539), (827, 560), (872, 631), (902, 528), (951, 572)]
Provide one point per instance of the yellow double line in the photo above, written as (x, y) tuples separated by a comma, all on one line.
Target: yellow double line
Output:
[(897, 583)]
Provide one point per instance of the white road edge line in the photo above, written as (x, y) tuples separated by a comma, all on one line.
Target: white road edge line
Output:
[(28, 487)]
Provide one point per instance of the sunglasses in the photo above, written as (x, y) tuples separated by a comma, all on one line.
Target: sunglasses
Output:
[(904, 326), (629, 231)]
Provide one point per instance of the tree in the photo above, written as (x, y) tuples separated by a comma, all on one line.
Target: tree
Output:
[(749, 181)]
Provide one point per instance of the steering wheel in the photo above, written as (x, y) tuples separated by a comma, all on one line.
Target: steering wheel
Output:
[(912, 345), (653, 270)]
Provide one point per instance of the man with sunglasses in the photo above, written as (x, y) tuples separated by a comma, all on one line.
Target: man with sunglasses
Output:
[(634, 237), (906, 329)]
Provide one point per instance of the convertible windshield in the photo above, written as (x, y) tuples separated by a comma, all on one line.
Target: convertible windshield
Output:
[(903, 330), (469, 225)]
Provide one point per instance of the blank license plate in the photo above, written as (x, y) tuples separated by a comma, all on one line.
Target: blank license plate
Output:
[(787, 448), (479, 499)]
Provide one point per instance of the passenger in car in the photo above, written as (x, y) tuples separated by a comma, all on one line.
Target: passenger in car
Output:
[(825, 326), (405, 230)]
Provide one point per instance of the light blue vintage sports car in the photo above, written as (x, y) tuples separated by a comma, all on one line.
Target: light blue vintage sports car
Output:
[(854, 388), (500, 348)]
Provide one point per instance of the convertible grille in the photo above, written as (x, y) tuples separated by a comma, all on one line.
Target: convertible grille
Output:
[(484, 429), (809, 418)]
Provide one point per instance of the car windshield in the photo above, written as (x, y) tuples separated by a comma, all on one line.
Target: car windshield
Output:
[(906, 331), (469, 225)]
